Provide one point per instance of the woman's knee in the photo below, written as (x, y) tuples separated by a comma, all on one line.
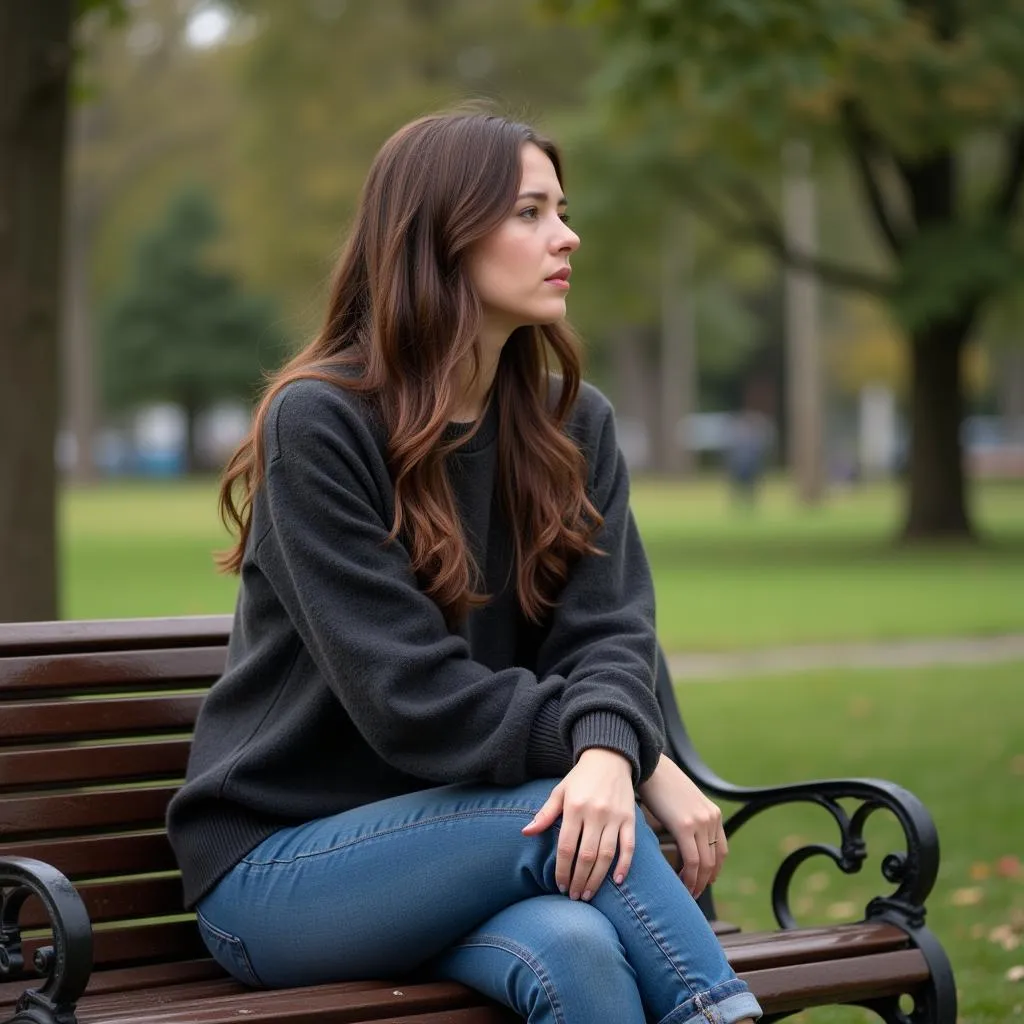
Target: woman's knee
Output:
[(572, 932)]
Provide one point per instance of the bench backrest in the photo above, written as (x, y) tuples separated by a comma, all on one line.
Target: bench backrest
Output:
[(95, 720), (95, 724)]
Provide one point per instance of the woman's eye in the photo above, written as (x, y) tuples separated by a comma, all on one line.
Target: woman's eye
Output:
[(529, 213), (564, 218)]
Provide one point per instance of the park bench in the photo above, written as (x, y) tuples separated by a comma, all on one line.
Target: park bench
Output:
[(95, 720)]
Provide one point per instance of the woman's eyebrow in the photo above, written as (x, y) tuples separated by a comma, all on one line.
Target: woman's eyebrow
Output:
[(542, 196)]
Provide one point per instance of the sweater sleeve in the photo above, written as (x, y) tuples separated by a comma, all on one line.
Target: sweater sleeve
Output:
[(601, 638), (382, 646)]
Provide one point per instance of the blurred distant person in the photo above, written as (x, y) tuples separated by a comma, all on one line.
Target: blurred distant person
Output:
[(749, 443), (438, 710)]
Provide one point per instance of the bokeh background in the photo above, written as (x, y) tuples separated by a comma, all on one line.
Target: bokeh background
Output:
[(800, 283)]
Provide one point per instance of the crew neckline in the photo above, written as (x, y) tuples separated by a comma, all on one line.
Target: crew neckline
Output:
[(483, 437)]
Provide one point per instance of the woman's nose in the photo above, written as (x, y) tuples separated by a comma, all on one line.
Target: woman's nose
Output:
[(568, 241)]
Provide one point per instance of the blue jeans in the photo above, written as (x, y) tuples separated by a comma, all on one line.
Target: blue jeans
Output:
[(442, 882)]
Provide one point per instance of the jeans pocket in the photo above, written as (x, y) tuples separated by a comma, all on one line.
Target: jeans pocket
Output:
[(229, 951)]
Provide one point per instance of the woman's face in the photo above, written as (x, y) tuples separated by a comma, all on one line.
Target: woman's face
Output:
[(519, 271)]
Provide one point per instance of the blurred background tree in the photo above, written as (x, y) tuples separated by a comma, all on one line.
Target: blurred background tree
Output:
[(922, 98), (181, 330), (36, 53)]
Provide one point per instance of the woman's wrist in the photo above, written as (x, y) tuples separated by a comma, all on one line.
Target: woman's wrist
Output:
[(595, 754)]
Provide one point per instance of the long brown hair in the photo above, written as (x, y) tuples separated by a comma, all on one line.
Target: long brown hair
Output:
[(402, 319)]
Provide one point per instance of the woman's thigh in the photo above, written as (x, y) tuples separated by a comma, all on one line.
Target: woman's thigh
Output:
[(381, 888)]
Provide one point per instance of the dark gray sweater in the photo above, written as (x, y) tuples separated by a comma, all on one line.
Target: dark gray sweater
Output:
[(343, 683)]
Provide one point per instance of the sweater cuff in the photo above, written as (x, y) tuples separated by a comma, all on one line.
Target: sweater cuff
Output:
[(609, 730), (546, 755)]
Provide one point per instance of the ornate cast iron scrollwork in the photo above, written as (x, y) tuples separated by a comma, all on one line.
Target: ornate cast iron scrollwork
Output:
[(912, 871), (67, 963)]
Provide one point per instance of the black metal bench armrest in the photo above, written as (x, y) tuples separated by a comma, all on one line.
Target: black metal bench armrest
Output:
[(912, 871), (67, 963)]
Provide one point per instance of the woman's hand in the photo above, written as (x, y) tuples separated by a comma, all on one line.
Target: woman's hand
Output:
[(598, 809), (693, 820)]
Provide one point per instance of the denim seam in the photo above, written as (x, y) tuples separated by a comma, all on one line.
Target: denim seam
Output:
[(232, 940), (655, 937), (498, 942), (381, 833)]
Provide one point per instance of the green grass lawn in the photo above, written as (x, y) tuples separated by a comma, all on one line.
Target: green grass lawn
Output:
[(725, 577), (729, 578), (954, 736)]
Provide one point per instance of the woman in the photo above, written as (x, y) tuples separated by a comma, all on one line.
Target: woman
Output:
[(438, 708)]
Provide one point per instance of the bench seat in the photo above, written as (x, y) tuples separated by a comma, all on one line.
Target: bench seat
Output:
[(95, 720)]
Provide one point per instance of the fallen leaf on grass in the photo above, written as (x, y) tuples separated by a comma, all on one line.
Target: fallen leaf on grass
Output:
[(979, 871), (1017, 765), (803, 905), (844, 908), (1009, 866), (967, 897), (790, 843), (860, 707), (1015, 973), (818, 882), (1005, 936), (747, 886)]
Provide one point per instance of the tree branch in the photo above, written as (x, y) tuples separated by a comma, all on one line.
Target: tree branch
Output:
[(762, 227), (1007, 196), (863, 145)]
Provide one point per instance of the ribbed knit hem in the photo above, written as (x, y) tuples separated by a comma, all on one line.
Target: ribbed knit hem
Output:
[(209, 847), (609, 730), (546, 754)]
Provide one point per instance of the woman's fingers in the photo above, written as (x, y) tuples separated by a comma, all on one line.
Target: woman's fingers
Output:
[(691, 860), (568, 842), (548, 814), (706, 865), (627, 844), (721, 851), (606, 848), (588, 856)]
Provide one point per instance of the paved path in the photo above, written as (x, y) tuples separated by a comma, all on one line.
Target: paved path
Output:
[(888, 654)]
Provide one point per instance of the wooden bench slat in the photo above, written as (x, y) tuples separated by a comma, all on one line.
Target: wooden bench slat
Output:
[(162, 668), (44, 638), (138, 944), (117, 901), (94, 719), (131, 979), (118, 762), (470, 1015), (782, 989), (99, 856), (748, 951), (334, 1003), (151, 760), (69, 812), (219, 988)]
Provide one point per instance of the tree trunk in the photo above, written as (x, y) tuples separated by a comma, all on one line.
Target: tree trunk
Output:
[(77, 348), (35, 53), (678, 352), (936, 496), (804, 376)]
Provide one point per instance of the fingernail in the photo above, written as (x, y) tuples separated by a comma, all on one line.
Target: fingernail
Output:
[(561, 888), (586, 894), (574, 895), (619, 879)]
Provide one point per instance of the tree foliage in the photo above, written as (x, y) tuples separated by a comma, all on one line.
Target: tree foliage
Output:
[(921, 97), (182, 330)]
